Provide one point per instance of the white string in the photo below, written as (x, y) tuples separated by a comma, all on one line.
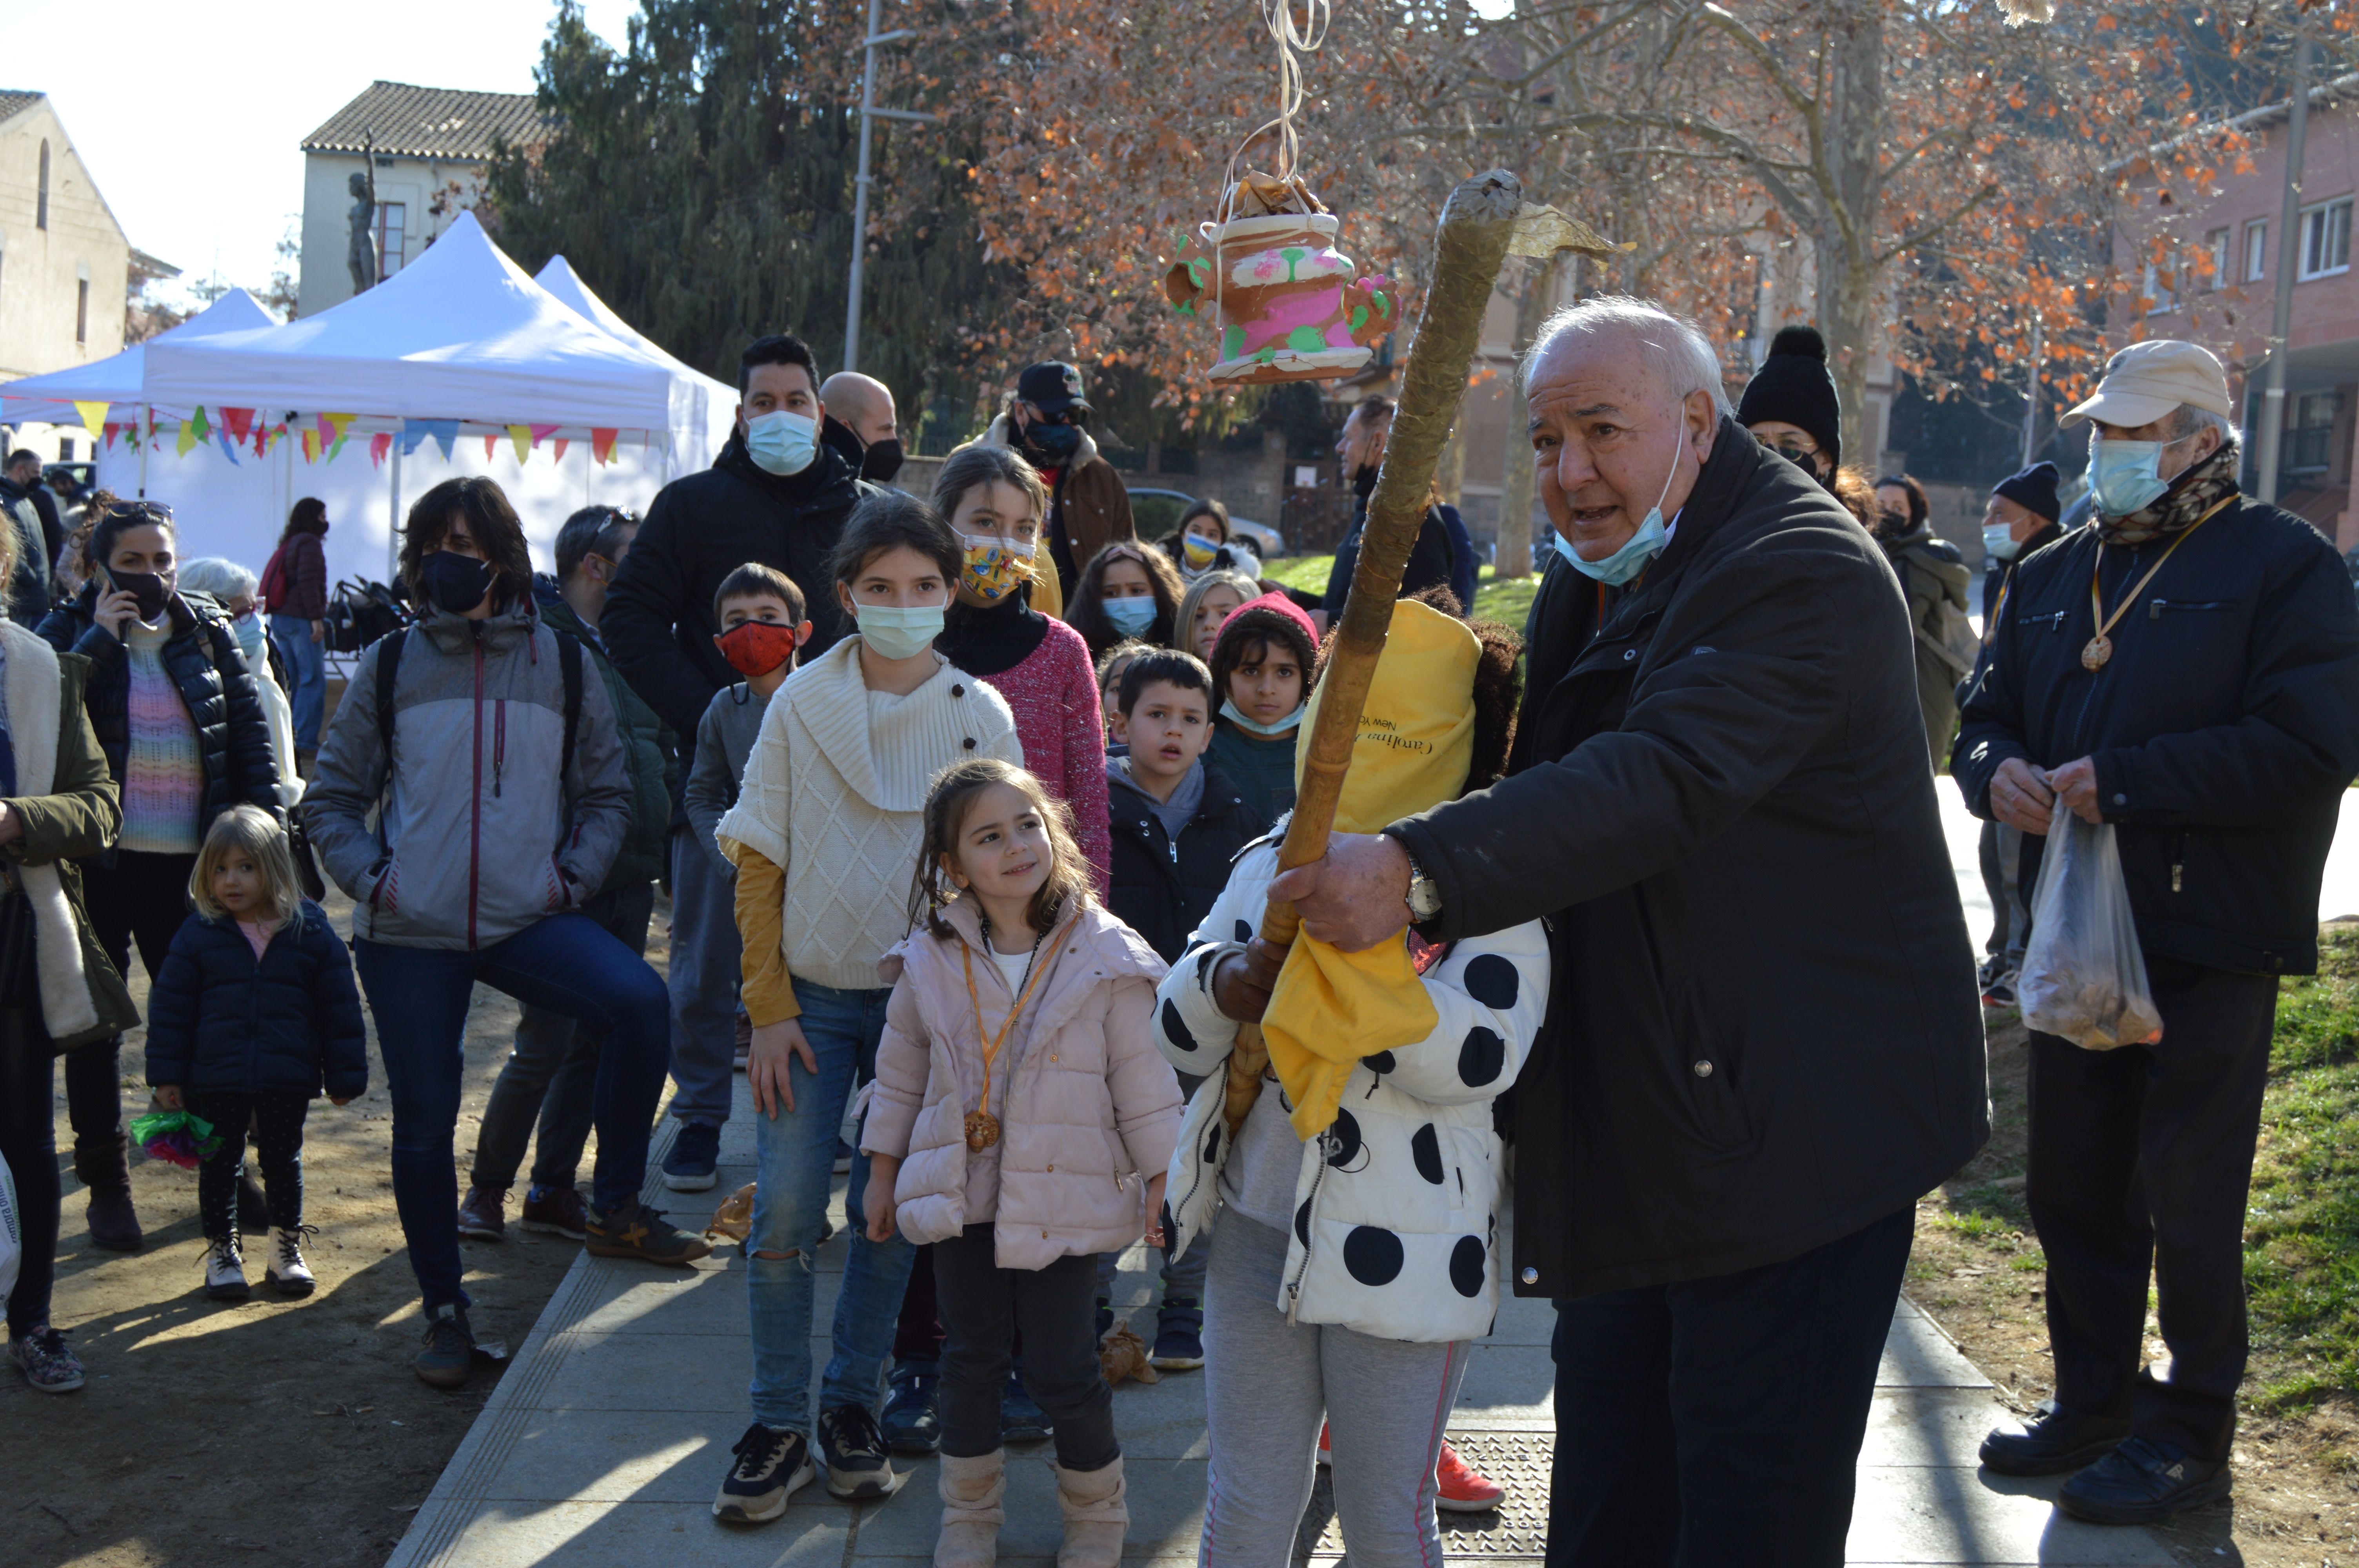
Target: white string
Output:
[(1293, 42)]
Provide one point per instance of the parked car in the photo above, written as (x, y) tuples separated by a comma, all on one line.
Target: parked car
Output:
[(1156, 513)]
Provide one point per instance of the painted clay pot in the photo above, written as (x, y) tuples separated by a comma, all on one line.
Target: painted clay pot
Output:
[(1288, 305)]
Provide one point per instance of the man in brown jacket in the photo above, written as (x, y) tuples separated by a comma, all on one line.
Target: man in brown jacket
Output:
[(1088, 506)]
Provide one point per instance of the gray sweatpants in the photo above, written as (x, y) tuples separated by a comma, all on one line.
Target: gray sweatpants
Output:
[(1266, 1389), (703, 982)]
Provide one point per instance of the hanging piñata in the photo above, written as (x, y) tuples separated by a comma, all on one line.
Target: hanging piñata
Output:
[(1265, 269)]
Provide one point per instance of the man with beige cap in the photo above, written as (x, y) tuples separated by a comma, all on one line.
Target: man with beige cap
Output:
[(2186, 669)]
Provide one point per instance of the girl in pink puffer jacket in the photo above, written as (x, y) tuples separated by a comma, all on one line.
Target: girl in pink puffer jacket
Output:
[(1022, 1120)]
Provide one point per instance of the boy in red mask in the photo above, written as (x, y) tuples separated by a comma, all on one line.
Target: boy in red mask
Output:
[(762, 622)]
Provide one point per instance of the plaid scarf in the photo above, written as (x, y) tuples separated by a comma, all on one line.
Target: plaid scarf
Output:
[(2191, 496)]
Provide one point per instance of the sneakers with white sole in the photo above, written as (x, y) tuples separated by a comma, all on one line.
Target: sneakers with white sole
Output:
[(288, 1273)]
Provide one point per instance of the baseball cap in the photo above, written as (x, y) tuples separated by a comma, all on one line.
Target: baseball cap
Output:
[(1051, 386), (2147, 381)]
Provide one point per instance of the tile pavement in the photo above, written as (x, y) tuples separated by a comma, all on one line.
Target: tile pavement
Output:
[(602, 1444)]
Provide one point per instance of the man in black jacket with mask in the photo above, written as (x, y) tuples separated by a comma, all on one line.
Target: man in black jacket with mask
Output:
[(2186, 669), (1763, 1045)]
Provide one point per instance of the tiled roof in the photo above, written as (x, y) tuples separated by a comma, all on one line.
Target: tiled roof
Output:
[(428, 122), (13, 103)]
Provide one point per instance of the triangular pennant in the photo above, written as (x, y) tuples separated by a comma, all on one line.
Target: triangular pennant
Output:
[(541, 433), (239, 421), (93, 417), (561, 444), (490, 445), (521, 437), (228, 445), (189, 437), (601, 445), (331, 426), (336, 450), (109, 434), (311, 446), (262, 440), (205, 431), (379, 444)]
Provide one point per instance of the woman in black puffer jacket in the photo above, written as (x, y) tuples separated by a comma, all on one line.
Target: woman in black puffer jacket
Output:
[(175, 712)]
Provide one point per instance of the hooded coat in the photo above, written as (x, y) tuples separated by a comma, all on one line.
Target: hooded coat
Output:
[(650, 752), (1765, 1033), (658, 624), (1935, 578)]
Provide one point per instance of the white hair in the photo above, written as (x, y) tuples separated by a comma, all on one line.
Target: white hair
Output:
[(1673, 346), (2192, 420), (224, 579)]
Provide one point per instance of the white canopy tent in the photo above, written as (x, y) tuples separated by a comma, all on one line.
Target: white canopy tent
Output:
[(715, 412), (458, 365), (116, 381)]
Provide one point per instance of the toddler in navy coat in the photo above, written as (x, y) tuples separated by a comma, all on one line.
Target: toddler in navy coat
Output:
[(253, 1013)]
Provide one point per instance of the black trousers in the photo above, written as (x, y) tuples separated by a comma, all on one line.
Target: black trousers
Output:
[(1716, 1424), (277, 1117), (28, 1144), (2140, 1160), (983, 1306), (141, 899)]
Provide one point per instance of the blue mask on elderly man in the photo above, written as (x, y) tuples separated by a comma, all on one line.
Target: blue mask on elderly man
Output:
[(2126, 476), (1636, 552)]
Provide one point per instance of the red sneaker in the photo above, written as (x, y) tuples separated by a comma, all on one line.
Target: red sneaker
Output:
[(1459, 1488)]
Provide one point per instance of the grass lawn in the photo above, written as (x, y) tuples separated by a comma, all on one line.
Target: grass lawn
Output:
[(1979, 1270), (1495, 599)]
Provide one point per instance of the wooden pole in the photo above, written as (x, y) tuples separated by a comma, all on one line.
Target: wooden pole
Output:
[(1477, 224)]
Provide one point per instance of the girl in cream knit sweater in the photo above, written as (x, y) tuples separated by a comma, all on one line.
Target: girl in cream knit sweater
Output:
[(823, 835)]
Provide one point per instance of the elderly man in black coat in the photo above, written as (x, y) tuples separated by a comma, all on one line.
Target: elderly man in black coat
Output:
[(1764, 1044), (2186, 669)]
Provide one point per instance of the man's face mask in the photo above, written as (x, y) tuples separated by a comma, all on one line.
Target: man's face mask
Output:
[(1055, 442)]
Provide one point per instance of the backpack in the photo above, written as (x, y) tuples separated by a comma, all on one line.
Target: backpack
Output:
[(273, 575), (388, 663), (1950, 636)]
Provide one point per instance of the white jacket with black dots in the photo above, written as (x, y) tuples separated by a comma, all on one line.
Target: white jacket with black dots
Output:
[(1397, 1205)]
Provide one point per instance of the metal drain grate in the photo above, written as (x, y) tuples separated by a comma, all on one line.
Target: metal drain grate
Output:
[(1517, 1528)]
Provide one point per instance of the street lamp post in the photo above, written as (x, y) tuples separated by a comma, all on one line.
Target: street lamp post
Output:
[(869, 116), (2273, 395)]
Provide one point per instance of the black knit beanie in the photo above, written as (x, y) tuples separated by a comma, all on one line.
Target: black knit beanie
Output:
[(2034, 490), (1793, 387)]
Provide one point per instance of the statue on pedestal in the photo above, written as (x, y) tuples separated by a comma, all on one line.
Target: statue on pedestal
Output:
[(361, 256)]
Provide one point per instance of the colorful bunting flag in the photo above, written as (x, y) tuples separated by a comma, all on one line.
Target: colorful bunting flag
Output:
[(601, 445), (112, 430), (311, 446), (205, 431), (379, 444), (561, 444), (331, 426), (93, 417), (541, 433), (490, 445), (522, 437), (444, 432), (228, 445), (239, 421), (189, 437)]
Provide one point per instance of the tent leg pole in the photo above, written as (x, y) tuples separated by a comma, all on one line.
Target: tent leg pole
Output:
[(143, 453)]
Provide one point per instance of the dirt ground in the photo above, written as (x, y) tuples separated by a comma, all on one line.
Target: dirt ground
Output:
[(286, 1431), (1978, 1270)]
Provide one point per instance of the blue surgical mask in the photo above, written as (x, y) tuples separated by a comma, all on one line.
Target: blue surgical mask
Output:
[(2126, 476), (1132, 616), (1639, 549), (900, 633), (1998, 540), (250, 638), (782, 443), (1234, 715)]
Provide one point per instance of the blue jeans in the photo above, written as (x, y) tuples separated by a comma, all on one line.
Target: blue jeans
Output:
[(418, 997), (307, 667), (795, 1155), (704, 965)]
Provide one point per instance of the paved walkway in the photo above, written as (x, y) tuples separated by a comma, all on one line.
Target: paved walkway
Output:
[(602, 1444)]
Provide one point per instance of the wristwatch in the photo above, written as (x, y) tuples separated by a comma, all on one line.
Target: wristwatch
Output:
[(1424, 894)]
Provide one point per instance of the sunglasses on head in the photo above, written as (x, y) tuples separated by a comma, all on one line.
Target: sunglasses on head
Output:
[(141, 511)]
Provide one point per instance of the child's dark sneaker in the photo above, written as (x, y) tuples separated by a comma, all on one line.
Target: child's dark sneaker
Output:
[(482, 1214), (556, 1211), (635, 1231), (857, 1466), (287, 1272), (1179, 1337), (1020, 1418), (695, 1150), (48, 1364), (770, 1468), (450, 1353), (912, 1422), (226, 1270)]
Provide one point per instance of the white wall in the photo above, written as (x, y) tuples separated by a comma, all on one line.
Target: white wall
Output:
[(327, 215), (40, 268)]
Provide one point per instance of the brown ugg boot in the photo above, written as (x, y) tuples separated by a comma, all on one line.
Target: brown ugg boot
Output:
[(973, 1491), (1097, 1514)]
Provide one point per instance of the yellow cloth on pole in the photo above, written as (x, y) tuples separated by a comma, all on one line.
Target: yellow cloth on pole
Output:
[(1415, 744)]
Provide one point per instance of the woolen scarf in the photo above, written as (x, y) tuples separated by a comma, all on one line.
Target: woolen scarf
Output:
[(2189, 499)]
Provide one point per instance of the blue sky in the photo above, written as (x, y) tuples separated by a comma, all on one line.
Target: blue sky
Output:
[(190, 119)]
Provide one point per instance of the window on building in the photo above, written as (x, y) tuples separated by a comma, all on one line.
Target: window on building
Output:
[(2309, 444), (2326, 239), (391, 219), (2157, 290), (81, 310), (65, 449), (41, 202), (2257, 250), (2215, 251)]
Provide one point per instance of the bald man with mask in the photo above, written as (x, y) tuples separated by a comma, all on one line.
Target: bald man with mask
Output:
[(860, 424)]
